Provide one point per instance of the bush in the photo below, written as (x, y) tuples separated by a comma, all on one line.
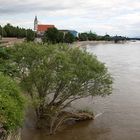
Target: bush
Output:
[(11, 105), (6, 66)]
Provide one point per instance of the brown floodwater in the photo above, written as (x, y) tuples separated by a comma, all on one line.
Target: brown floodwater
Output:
[(117, 115)]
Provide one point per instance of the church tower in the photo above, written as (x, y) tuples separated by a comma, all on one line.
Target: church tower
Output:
[(35, 23)]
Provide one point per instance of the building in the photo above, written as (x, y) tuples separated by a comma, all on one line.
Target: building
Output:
[(41, 28), (73, 32), (35, 23)]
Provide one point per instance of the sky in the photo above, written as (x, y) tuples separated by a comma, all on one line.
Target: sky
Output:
[(114, 17)]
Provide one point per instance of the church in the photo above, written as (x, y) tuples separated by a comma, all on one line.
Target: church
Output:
[(41, 28)]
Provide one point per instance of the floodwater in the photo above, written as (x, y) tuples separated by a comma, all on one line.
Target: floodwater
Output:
[(117, 115)]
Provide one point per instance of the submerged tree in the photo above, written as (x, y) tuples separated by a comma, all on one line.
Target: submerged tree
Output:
[(56, 75)]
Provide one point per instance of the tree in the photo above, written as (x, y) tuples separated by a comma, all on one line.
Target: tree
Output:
[(92, 36), (51, 36), (11, 31), (107, 37), (56, 75), (83, 37), (30, 35), (69, 38), (54, 36), (2, 32), (60, 38), (11, 106)]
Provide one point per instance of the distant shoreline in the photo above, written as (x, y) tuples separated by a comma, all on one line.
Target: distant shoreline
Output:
[(93, 43), (8, 41), (83, 44)]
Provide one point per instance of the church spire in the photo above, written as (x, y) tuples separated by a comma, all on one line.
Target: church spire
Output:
[(35, 23)]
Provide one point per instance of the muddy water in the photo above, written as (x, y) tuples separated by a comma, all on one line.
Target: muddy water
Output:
[(118, 115)]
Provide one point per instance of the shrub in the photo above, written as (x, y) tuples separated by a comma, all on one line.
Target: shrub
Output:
[(11, 105)]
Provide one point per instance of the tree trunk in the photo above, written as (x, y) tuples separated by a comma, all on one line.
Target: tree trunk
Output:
[(66, 116)]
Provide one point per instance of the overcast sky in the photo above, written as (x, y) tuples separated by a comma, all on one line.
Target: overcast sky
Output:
[(121, 17)]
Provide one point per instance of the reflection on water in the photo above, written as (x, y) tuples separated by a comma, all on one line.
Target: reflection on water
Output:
[(120, 119)]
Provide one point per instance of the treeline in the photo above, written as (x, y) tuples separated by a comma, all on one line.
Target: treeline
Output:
[(90, 36), (11, 31), (53, 35), (134, 38)]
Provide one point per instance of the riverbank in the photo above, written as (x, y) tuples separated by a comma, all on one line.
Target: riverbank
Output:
[(9, 41)]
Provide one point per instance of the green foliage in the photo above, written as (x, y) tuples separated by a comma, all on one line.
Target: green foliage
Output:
[(6, 67), (60, 38), (2, 32), (3, 53), (83, 37), (48, 68), (69, 38), (90, 36), (30, 35), (11, 104), (119, 38), (56, 75), (54, 36), (51, 36), (93, 36), (11, 31), (107, 38)]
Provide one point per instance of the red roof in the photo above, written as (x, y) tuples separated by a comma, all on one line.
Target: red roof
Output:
[(43, 28)]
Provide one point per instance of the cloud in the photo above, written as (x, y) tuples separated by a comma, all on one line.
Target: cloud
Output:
[(20, 8), (111, 16)]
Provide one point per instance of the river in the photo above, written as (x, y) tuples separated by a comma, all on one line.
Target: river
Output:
[(117, 115)]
